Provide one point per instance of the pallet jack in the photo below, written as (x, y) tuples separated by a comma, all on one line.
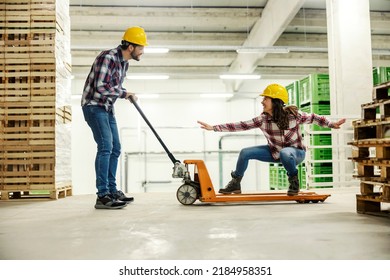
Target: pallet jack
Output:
[(201, 188)]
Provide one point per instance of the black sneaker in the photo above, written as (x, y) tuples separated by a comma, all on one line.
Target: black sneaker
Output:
[(108, 202), (122, 197)]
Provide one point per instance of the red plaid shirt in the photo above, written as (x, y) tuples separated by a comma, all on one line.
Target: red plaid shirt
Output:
[(278, 139), (104, 82)]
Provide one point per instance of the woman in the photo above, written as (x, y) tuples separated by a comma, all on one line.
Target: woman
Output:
[(281, 127)]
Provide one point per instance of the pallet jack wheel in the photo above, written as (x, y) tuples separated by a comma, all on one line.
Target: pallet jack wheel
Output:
[(187, 194)]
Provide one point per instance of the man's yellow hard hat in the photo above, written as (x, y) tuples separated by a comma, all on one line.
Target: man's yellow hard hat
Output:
[(276, 91), (135, 35)]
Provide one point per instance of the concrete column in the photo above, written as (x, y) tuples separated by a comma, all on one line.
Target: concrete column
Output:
[(350, 72), (350, 55)]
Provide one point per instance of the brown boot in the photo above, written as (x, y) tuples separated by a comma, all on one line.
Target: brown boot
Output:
[(293, 189), (233, 186)]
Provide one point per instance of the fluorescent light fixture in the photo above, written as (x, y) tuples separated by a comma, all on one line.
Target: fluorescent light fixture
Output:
[(148, 96), (263, 50), (216, 95), (239, 77), (156, 50), (148, 77)]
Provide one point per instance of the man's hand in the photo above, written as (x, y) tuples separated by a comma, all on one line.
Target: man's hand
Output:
[(134, 97)]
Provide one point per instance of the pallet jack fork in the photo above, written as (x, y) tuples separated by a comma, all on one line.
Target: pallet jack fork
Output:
[(201, 188)]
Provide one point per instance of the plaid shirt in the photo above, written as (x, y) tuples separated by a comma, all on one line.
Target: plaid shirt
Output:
[(276, 138), (104, 82)]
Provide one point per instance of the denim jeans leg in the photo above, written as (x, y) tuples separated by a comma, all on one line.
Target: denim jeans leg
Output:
[(290, 157), (115, 153), (98, 120), (262, 153)]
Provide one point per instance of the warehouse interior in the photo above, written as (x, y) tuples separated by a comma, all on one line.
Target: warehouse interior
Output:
[(332, 56)]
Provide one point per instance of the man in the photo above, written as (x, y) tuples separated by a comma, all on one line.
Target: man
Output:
[(102, 88)]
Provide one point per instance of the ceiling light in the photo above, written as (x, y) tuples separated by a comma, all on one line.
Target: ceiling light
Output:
[(216, 95), (239, 77), (156, 50), (148, 77), (263, 50)]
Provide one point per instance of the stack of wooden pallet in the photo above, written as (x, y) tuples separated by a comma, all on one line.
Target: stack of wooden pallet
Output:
[(371, 152), (35, 115)]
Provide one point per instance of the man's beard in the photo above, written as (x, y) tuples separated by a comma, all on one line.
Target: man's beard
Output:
[(134, 56)]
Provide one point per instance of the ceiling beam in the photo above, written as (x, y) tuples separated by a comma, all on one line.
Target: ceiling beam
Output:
[(275, 18), (174, 19)]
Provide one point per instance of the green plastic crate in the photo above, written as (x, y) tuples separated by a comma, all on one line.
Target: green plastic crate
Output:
[(314, 88), (279, 178), (381, 75), (293, 93), (302, 175), (321, 154), (273, 177), (323, 180), (321, 168), (319, 109), (321, 139), (316, 127), (282, 177)]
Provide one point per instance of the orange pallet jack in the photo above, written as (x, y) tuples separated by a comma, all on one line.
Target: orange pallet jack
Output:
[(201, 188)]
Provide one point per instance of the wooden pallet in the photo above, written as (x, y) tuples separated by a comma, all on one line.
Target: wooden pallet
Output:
[(381, 92), (371, 129), (370, 110), (371, 204), (55, 193)]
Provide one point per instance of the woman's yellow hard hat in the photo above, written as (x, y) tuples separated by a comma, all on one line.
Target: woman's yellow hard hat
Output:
[(276, 91)]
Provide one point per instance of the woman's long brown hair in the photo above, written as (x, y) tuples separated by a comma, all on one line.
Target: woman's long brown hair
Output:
[(280, 113)]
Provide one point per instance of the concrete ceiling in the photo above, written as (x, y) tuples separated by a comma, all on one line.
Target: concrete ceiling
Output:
[(203, 37)]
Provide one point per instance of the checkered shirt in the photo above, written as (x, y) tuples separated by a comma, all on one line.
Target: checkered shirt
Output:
[(276, 138), (104, 82)]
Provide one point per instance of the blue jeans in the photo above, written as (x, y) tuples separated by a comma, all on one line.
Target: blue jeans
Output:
[(105, 132), (289, 157)]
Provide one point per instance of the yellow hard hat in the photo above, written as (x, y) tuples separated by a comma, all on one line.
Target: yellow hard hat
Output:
[(135, 35), (276, 91)]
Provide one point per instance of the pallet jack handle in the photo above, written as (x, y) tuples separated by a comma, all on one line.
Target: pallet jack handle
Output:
[(179, 170)]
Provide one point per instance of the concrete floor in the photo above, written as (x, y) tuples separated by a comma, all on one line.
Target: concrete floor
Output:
[(156, 226)]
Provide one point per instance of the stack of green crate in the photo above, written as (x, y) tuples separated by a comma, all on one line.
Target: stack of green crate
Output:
[(314, 90), (381, 75), (293, 93), (314, 97)]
